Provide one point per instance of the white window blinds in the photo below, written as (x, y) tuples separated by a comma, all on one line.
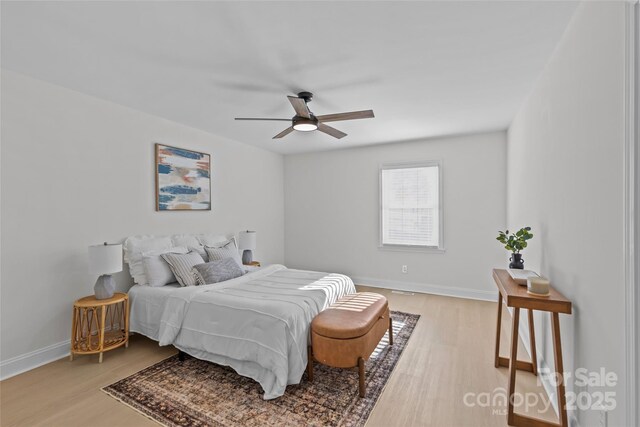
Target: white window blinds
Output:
[(410, 205)]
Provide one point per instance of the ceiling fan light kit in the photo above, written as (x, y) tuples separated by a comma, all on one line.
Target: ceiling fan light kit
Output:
[(306, 121), (305, 125)]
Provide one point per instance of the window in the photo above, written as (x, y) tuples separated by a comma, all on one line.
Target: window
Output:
[(410, 205)]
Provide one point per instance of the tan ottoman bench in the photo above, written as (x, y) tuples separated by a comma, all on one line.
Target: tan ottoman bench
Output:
[(345, 334)]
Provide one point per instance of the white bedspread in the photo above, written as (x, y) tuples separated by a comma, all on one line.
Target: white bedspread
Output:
[(146, 307), (258, 323)]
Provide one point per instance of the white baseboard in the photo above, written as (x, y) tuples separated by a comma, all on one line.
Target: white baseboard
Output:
[(449, 291), (28, 361)]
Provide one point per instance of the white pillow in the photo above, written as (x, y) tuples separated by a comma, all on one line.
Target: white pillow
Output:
[(226, 243), (184, 240), (190, 242), (211, 239), (135, 246), (156, 269)]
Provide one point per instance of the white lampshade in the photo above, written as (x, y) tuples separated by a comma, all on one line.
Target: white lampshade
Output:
[(105, 259), (247, 240)]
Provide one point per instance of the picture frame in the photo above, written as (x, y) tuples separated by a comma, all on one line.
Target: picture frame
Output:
[(183, 179)]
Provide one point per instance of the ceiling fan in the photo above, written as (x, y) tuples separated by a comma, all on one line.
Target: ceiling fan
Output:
[(306, 121)]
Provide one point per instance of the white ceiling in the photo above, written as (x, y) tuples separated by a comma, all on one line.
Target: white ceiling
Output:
[(425, 68)]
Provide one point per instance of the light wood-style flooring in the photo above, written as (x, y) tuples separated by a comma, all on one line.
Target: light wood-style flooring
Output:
[(449, 355)]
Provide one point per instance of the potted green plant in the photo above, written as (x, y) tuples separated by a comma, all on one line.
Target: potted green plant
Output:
[(514, 243)]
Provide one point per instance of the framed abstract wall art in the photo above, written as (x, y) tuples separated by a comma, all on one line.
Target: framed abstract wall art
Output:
[(183, 179)]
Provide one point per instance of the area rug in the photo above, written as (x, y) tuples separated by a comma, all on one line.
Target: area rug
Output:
[(195, 393)]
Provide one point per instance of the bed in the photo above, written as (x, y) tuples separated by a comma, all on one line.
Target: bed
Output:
[(258, 324)]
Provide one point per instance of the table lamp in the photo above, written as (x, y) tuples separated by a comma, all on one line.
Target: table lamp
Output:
[(247, 243), (105, 260)]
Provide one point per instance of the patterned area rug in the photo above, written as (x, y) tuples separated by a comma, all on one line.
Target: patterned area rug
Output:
[(198, 393)]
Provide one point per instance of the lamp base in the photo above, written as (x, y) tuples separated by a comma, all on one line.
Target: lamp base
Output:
[(247, 257), (105, 287)]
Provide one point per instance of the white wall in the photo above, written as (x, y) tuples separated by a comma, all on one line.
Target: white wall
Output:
[(76, 171), (332, 214), (565, 179)]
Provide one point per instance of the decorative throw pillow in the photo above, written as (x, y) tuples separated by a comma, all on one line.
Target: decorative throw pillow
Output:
[(135, 246), (227, 250), (156, 269), (226, 243), (181, 265), (216, 271), (211, 239), (201, 251), (189, 241)]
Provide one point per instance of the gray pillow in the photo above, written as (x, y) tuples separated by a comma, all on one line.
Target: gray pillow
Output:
[(181, 265), (216, 271), (229, 250)]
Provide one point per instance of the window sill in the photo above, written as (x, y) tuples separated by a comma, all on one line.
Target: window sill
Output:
[(407, 248)]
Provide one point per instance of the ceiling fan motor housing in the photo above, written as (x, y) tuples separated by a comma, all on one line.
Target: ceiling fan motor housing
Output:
[(307, 96)]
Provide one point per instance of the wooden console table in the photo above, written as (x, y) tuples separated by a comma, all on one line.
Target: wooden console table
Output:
[(517, 297)]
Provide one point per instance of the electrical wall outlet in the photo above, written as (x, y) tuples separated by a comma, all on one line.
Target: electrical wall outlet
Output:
[(404, 268)]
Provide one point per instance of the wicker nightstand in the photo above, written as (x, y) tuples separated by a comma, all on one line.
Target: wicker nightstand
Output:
[(99, 325), (254, 264)]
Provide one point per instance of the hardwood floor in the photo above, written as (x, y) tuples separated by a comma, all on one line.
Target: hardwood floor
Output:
[(449, 355)]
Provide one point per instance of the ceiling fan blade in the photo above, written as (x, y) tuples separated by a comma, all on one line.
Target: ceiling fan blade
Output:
[(251, 118), (353, 115), (331, 131), (300, 106), (285, 132)]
